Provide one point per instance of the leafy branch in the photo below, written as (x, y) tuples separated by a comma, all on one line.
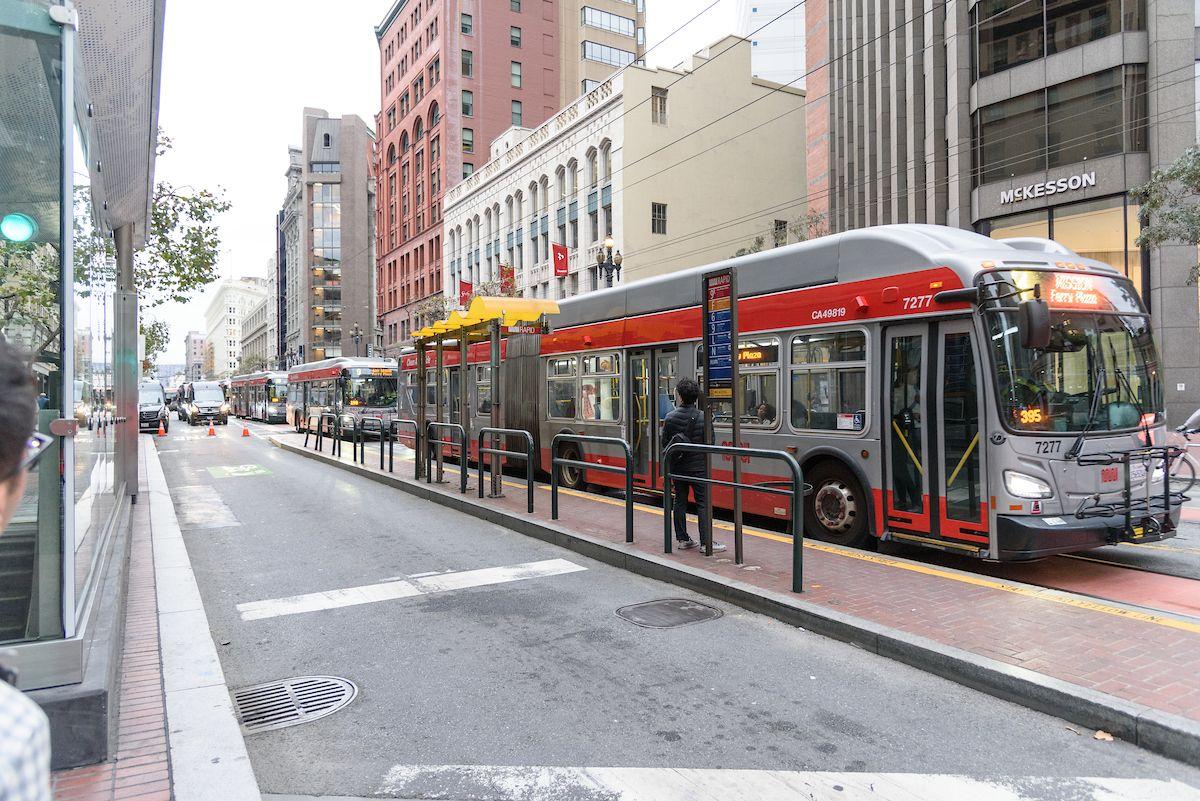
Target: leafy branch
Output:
[(1169, 206)]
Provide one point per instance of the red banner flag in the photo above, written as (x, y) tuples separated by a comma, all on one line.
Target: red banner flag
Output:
[(464, 293), (560, 260), (508, 280)]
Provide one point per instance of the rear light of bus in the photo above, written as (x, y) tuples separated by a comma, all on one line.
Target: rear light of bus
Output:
[(1020, 485)]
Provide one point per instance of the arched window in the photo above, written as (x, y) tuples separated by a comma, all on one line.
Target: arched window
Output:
[(418, 129), (560, 180), (605, 160), (327, 140), (572, 177), (404, 142), (435, 114), (545, 192), (592, 174), (391, 154)]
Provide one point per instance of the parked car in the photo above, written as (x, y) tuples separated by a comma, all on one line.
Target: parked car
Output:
[(152, 407), (205, 401)]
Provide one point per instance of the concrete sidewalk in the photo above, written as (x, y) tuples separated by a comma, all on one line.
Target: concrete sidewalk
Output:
[(1103, 665)]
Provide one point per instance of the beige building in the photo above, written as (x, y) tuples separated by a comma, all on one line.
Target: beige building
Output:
[(596, 38), (680, 167), (232, 303), (260, 335)]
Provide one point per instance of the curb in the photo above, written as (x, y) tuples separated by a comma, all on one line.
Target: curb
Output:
[(1161, 732)]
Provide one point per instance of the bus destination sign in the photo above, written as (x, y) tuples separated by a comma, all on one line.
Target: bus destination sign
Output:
[(718, 335)]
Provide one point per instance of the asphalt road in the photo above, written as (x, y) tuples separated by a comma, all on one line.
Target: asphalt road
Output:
[(541, 671)]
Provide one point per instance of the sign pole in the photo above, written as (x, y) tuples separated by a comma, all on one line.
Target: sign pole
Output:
[(420, 409), (494, 361), (736, 423), (718, 313)]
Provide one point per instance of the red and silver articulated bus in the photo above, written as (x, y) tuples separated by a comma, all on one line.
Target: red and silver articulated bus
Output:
[(919, 413), (259, 396), (344, 385)]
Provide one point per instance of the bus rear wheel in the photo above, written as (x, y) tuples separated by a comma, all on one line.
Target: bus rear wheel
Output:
[(836, 510), (568, 476)]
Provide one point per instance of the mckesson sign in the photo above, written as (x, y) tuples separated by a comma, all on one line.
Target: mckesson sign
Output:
[(1031, 191)]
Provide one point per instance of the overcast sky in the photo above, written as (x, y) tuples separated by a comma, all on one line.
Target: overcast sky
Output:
[(237, 75)]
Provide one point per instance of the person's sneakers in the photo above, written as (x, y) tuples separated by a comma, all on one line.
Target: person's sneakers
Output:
[(717, 546), (687, 544)]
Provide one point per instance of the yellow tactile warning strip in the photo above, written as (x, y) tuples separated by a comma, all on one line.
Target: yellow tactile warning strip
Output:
[(1028, 591)]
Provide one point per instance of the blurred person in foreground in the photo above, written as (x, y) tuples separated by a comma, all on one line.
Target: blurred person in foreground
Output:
[(24, 730)]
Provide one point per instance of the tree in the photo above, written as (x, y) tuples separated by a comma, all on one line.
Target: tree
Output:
[(758, 244), (805, 227), (29, 295), (156, 335), (252, 363), (1169, 206)]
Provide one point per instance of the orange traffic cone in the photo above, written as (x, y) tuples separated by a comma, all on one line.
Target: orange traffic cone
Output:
[(245, 430), (212, 432), (162, 432)]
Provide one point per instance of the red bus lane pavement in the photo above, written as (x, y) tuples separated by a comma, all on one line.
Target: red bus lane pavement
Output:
[(1104, 664)]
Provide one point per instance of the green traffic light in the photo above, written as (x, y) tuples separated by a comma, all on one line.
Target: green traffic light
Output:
[(17, 227)]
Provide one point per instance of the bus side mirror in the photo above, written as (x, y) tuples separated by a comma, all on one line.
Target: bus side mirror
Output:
[(1033, 323)]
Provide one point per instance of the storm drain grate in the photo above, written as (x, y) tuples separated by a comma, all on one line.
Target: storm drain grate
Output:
[(290, 702), (668, 613)]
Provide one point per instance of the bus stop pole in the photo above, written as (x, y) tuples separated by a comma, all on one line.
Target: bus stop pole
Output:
[(420, 404), (494, 369), (439, 402), (736, 423), (464, 397)]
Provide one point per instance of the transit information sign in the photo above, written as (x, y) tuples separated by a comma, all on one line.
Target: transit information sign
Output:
[(718, 334)]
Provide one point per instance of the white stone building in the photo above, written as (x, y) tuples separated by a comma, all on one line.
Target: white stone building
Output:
[(260, 333), (671, 164), (775, 29), (234, 300)]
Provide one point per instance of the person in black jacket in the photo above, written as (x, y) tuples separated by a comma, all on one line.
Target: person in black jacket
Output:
[(686, 424)]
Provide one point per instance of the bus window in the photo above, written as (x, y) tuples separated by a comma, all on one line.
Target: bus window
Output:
[(562, 386), (483, 389), (907, 435), (600, 390), (829, 381), (430, 387), (759, 386), (279, 391), (373, 391)]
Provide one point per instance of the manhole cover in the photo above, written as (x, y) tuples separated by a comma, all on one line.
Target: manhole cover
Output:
[(291, 702), (668, 613)]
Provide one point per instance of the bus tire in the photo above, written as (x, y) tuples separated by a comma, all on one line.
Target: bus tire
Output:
[(570, 477), (836, 510)]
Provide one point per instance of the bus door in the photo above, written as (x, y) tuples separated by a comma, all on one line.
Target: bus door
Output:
[(935, 478), (653, 373)]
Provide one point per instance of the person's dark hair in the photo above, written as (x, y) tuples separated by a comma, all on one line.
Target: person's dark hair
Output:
[(688, 390), (17, 404)]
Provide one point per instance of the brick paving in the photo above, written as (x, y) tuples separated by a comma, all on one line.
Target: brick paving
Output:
[(140, 770), (1145, 661)]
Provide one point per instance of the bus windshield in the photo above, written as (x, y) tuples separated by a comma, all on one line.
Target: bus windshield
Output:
[(1053, 389), (375, 391), (277, 391)]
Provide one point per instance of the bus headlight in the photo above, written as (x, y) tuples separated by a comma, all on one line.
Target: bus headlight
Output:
[(1020, 485)]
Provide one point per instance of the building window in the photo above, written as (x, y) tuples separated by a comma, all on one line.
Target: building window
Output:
[(613, 56), (658, 218), (641, 35), (468, 139), (514, 36), (780, 232), (468, 103), (468, 63), (1090, 117), (517, 115), (326, 140), (515, 5), (606, 21), (587, 85), (515, 74), (658, 105), (468, 168), (435, 72), (467, 24)]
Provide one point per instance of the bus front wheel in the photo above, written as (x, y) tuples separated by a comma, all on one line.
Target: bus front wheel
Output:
[(836, 510)]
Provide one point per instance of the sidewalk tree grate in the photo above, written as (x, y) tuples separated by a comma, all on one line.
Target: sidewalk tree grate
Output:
[(290, 702), (668, 613)]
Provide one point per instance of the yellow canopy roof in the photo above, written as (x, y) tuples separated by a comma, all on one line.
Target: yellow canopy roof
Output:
[(509, 311)]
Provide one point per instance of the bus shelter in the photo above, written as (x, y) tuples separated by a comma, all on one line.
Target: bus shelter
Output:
[(485, 320)]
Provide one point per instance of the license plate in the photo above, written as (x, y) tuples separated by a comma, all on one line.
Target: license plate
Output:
[(1137, 472)]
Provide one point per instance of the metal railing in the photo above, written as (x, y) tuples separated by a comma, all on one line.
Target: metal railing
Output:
[(395, 425), (461, 444), (556, 461), (796, 493), (383, 434), (313, 430), (528, 456)]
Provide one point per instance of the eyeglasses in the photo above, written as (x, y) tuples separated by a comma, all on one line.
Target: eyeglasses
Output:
[(34, 450)]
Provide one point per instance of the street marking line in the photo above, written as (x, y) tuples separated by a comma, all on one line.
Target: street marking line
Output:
[(542, 783), (409, 588), (238, 470), (1028, 591)]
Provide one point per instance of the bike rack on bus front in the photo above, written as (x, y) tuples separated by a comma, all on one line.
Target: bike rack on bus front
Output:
[(796, 493), (461, 444), (627, 470), (1127, 506), (528, 456)]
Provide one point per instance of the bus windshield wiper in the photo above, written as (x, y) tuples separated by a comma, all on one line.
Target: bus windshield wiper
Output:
[(1098, 393)]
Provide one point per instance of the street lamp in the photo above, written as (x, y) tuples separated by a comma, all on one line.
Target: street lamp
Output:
[(356, 334), (609, 262)]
